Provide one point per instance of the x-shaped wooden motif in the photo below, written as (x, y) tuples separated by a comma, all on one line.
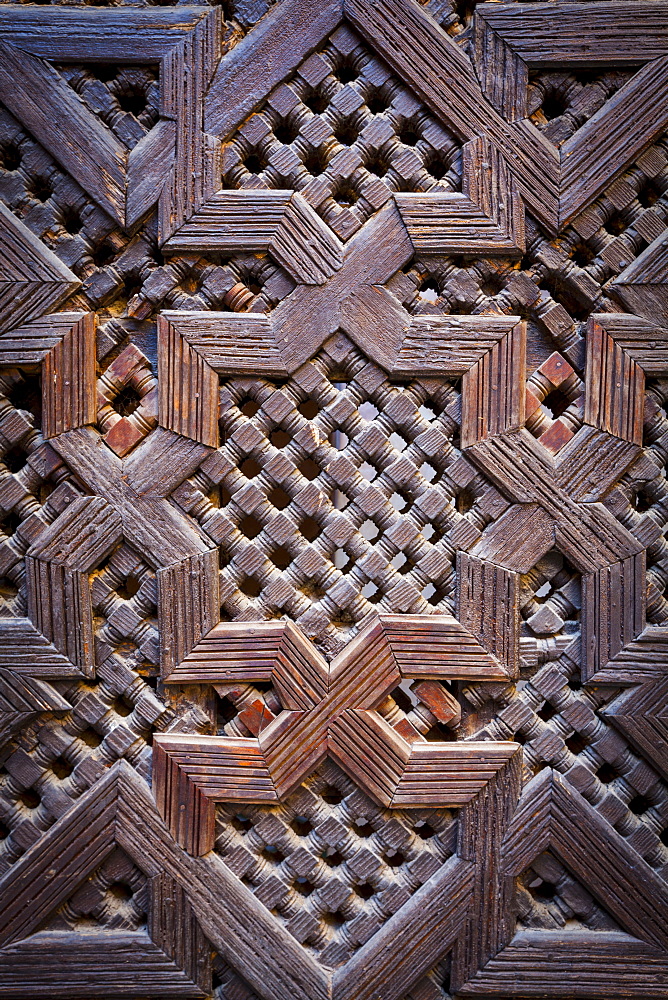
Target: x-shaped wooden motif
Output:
[(328, 709)]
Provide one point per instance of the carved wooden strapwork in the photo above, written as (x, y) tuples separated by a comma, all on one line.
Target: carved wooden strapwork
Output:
[(168, 955), (63, 344), (32, 279), (352, 299), (432, 65), (327, 710), (509, 45), (642, 285), (558, 494), (128, 501), (135, 508), (125, 183), (194, 901), (553, 815), (487, 215), (422, 431)]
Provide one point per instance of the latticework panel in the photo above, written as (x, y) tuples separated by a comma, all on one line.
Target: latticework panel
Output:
[(333, 446)]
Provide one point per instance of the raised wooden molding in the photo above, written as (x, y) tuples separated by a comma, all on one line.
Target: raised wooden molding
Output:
[(32, 279), (327, 709), (170, 957), (125, 184), (588, 36), (487, 217), (642, 286), (282, 223), (552, 815)]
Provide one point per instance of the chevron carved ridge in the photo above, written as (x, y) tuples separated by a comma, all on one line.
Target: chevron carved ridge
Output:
[(328, 709)]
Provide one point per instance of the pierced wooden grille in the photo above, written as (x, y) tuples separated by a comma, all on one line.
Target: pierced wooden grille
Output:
[(333, 445)]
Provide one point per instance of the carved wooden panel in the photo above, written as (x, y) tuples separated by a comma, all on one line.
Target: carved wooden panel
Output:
[(333, 500)]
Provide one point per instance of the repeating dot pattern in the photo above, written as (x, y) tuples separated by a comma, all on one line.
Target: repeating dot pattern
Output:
[(346, 134), (114, 897), (338, 495), (334, 495), (332, 865)]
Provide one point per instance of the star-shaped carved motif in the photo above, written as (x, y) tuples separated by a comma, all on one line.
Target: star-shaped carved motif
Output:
[(328, 709)]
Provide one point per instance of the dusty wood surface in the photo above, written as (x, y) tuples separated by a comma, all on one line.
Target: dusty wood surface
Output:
[(333, 502)]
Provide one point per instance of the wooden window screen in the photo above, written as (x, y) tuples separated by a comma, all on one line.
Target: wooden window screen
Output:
[(333, 501)]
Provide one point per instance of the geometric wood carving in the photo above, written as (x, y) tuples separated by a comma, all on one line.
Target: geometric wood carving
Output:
[(124, 184), (333, 612), (609, 141), (642, 287), (32, 279), (154, 956), (326, 710)]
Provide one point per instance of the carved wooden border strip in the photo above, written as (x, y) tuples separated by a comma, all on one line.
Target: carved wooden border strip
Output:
[(195, 347), (556, 816), (91, 153), (643, 288), (439, 71), (551, 815), (279, 43), (553, 34), (281, 222), (57, 571), (487, 217), (508, 41), (173, 958)]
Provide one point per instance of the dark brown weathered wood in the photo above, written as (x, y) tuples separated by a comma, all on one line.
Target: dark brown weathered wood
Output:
[(333, 437)]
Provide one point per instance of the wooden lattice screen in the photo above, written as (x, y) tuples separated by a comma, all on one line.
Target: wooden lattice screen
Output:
[(333, 500)]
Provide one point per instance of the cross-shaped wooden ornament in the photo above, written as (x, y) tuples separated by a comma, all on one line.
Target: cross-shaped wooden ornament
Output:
[(328, 709)]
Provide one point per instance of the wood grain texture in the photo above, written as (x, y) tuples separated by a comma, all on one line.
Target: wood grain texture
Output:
[(609, 370), (329, 709), (486, 217), (149, 164), (528, 477), (24, 649), (547, 33), (640, 714), (278, 221), (537, 962), (188, 385), (188, 605), (571, 827), (85, 148), (555, 34), (642, 285), (32, 279), (187, 70), (612, 139), (441, 74), (68, 378), (163, 960), (482, 826), (493, 397), (421, 469), (613, 611), (488, 606), (140, 36), (256, 65)]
